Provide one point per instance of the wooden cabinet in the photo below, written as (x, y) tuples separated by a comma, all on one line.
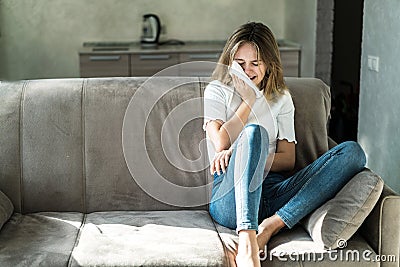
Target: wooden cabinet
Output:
[(150, 64), (103, 65), (198, 63), (290, 63), (191, 59)]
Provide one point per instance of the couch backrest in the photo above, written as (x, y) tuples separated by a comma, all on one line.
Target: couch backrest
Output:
[(109, 143), (312, 101)]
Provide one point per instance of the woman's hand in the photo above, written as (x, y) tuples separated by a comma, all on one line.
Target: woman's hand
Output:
[(246, 92), (220, 161)]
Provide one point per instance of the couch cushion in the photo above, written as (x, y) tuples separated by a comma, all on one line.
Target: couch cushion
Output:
[(10, 163), (6, 209), (312, 101), (338, 219), (51, 146), (153, 238), (126, 161), (40, 239)]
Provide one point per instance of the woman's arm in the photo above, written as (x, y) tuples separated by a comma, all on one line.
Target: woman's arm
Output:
[(285, 156), (223, 134)]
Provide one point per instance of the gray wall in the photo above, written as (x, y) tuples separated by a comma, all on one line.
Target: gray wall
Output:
[(300, 26), (379, 122), (324, 40), (41, 38)]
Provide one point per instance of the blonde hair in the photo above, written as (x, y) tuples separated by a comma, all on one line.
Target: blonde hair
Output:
[(263, 40)]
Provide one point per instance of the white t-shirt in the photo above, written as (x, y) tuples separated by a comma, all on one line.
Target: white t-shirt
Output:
[(276, 116)]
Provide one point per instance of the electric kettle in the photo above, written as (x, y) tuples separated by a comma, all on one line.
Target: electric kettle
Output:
[(150, 30)]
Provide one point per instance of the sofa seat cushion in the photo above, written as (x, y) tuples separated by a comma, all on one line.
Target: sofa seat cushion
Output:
[(149, 238), (39, 239)]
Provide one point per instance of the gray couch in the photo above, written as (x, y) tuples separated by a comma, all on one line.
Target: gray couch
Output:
[(87, 165)]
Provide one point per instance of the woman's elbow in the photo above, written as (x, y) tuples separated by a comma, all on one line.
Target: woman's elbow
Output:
[(286, 164), (220, 145), (290, 165)]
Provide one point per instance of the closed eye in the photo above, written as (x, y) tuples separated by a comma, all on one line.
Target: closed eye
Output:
[(241, 62), (254, 64)]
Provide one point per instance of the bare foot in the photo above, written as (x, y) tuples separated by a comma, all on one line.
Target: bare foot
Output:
[(248, 261), (232, 258), (248, 249), (231, 249), (269, 227)]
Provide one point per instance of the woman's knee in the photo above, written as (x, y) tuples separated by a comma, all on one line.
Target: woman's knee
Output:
[(354, 153), (255, 132)]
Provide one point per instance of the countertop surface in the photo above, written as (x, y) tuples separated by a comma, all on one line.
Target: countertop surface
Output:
[(170, 47)]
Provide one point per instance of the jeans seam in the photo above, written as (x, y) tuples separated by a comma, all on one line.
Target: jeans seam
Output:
[(238, 187), (246, 226), (291, 188)]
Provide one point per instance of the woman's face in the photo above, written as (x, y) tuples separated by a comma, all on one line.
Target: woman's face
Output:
[(246, 56)]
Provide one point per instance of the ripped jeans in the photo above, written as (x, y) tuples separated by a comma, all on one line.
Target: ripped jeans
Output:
[(241, 198)]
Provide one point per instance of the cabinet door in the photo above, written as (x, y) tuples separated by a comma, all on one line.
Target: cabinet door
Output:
[(104, 65), (198, 63), (290, 63), (150, 64)]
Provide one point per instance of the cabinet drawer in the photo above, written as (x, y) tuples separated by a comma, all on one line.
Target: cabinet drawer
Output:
[(150, 64), (290, 63), (104, 65), (201, 64), (200, 56)]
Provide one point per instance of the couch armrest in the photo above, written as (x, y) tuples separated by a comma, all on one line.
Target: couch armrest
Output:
[(382, 229)]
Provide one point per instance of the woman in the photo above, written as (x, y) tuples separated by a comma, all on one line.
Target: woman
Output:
[(253, 143)]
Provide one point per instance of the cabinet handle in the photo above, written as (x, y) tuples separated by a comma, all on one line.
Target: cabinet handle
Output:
[(204, 56), (104, 58), (154, 57)]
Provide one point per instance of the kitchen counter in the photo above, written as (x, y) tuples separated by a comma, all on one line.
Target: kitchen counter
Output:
[(99, 59), (135, 47), (188, 47)]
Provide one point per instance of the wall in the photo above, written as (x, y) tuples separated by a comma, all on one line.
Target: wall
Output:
[(378, 128), (324, 42), (300, 26), (41, 38)]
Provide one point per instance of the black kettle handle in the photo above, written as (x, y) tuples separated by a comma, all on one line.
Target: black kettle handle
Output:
[(157, 22)]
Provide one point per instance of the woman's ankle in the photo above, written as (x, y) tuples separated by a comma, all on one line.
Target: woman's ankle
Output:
[(248, 252), (247, 242), (247, 261)]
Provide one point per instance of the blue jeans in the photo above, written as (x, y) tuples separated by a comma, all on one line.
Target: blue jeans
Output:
[(241, 198)]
